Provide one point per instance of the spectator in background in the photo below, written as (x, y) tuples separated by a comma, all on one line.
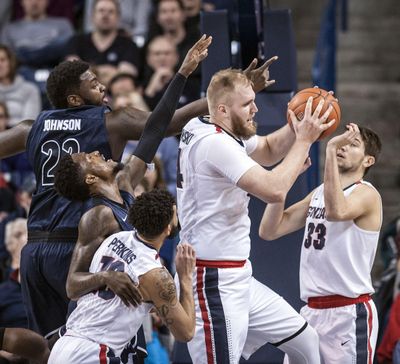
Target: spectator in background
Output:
[(38, 40), (105, 47), (17, 167), (5, 12), (12, 311), (55, 8), (170, 20), (134, 18), (21, 97), (192, 12)]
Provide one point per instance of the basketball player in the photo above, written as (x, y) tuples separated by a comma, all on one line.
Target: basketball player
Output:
[(218, 166), (343, 217), (80, 123), (23, 343), (102, 324)]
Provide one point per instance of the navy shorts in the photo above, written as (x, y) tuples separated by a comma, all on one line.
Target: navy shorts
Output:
[(44, 271)]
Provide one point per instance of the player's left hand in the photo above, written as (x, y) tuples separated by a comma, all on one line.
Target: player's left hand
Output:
[(346, 138), (185, 260), (195, 55), (260, 76)]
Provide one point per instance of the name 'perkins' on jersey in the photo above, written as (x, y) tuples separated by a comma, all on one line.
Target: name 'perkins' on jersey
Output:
[(54, 134), (336, 256), (101, 316)]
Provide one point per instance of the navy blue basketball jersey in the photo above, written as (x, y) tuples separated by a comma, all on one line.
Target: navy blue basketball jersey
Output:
[(120, 211), (54, 134)]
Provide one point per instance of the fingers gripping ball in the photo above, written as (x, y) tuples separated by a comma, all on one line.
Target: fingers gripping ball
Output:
[(298, 104)]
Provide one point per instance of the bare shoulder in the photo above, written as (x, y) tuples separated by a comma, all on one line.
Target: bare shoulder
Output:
[(367, 193), (98, 222)]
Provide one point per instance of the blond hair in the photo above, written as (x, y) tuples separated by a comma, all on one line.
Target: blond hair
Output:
[(222, 84)]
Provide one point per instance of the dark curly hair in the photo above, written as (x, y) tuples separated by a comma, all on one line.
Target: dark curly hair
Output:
[(63, 81), (69, 180), (151, 212)]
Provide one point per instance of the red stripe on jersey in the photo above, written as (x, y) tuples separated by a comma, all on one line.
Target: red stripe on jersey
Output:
[(103, 354), (369, 309), (218, 129), (204, 316)]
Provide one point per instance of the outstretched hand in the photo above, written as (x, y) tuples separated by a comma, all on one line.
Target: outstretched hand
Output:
[(260, 76), (346, 138), (195, 55)]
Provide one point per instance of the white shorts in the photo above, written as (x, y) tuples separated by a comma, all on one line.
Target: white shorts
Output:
[(76, 350), (347, 334), (236, 315)]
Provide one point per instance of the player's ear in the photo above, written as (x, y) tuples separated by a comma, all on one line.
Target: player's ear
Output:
[(90, 179), (74, 100), (369, 160), (222, 108)]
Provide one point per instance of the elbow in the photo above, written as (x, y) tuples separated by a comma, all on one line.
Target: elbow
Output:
[(266, 234), (276, 197), (71, 292), (185, 337)]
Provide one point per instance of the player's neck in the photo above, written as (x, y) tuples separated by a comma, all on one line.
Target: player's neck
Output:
[(110, 191), (349, 178), (156, 243)]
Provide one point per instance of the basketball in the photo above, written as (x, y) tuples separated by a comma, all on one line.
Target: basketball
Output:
[(298, 104)]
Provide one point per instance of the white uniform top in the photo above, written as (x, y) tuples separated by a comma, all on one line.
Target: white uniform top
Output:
[(336, 256), (213, 211), (101, 316)]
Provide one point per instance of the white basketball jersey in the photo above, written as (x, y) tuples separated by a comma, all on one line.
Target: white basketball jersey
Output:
[(213, 211), (101, 316), (336, 256)]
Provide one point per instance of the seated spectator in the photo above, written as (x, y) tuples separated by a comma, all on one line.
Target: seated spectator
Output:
[(134, 18), (5, 12), (12, 311), (38, 40), (55, 8), (17, 167), (170, 21), (105, 47), (121, 83), (162, 59), (21, 97), (17, 206), (192, 13)]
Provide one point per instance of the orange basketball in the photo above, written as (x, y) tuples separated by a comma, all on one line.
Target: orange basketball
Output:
[(298, 104)]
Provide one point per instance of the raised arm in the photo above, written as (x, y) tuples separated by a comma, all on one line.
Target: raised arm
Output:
[(158, 287), (364, 203), (13, 141), (158, 121), (92, 232)]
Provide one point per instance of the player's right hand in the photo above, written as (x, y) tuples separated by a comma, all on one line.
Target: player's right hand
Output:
[(313, 124), (195, 55), (185, 260), (123, 286)]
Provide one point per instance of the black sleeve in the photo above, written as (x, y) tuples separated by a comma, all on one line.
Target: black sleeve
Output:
[(159, 120)]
